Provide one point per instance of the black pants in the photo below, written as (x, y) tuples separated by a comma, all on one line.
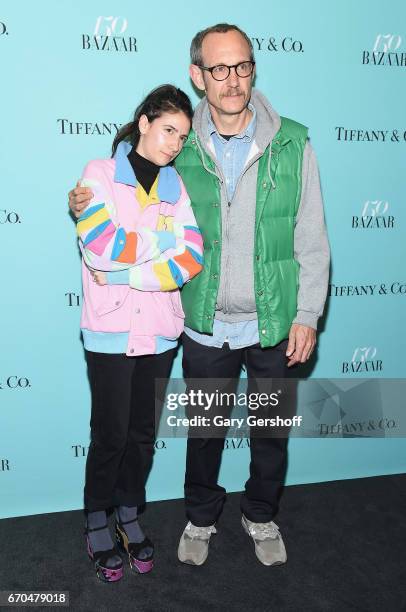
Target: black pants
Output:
[(204, 498), (122, 426)]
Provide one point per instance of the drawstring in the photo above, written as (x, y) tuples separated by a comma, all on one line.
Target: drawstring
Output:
[(196, 141), (269, 168)]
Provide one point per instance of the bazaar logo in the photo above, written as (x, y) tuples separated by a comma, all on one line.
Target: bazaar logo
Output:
[(109, 36), (374, 216), (385, 52), (236, 443), (4, 465), (363, 360)]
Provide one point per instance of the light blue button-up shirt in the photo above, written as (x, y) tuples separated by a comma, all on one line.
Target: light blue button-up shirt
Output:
[(231, 156)]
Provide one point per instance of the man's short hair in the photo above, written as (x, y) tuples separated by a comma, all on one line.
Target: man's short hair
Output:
[(220, 28)]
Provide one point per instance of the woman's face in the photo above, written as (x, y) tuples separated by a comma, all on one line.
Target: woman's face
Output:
[(163, 138)]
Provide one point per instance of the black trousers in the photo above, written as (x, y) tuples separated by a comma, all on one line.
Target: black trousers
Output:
[(122, 426), (204, 498)]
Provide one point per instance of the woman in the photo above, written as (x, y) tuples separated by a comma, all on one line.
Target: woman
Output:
[(140, 243)]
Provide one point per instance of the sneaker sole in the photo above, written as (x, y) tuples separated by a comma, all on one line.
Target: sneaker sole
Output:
[(190, 561)]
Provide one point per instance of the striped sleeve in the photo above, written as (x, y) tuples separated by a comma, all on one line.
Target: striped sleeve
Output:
[(177, 265), (104, 244)]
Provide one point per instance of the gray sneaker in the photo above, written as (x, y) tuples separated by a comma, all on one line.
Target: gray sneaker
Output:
[(269, 546), (194, 544)]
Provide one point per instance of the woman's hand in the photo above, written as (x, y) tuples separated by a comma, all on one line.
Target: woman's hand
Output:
[(99, 277)]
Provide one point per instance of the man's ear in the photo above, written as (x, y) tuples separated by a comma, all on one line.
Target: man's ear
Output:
[(197, 76)]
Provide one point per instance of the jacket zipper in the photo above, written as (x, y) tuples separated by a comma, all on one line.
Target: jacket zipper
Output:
[(229, 204), (226, 264), (220, 176)]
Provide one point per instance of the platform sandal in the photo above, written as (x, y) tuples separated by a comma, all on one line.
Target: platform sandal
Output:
[(107, 570), (133, 549)]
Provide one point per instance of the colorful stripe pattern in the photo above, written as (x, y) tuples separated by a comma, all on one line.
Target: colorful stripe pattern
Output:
[(153, 266), (108, 247), (176, 266)]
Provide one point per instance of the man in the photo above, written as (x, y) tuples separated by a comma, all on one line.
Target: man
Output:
[(253, 181)]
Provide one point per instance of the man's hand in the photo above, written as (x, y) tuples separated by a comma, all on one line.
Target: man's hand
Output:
[(302, 340), (99, 277), (79, 198)]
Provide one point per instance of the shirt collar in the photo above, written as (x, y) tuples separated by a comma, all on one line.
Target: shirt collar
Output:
[(124, 172), (247, 134), (169, 187)]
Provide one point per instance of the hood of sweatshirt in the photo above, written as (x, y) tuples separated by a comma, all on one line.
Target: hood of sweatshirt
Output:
[(268, 120)]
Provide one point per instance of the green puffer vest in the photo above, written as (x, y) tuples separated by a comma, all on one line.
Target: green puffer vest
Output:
[(275, 269)]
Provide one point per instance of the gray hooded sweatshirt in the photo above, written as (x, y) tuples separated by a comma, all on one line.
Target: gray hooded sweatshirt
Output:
[(236, 297)]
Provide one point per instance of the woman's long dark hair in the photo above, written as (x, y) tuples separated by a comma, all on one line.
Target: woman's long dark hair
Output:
[(163, 99)]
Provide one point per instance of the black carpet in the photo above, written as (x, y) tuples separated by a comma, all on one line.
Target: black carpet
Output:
[(346, 545)]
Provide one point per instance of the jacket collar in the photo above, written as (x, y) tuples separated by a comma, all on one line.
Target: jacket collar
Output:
[(169, 188), (267, 122)]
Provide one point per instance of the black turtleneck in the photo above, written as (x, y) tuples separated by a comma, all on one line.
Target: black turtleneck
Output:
[(145, 171)]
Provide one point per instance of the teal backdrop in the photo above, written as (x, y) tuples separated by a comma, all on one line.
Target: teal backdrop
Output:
[(71, 73)]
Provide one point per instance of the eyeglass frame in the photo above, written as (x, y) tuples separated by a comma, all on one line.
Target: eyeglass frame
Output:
[(235, 66)]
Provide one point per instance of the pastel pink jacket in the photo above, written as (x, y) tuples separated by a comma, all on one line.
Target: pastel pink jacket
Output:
[(149, 245)]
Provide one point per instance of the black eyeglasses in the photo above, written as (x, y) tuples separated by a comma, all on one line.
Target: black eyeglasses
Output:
[(221, 72)]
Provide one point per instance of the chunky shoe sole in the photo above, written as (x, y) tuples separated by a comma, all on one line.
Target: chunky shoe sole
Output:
[(138, 566), (105, 574)]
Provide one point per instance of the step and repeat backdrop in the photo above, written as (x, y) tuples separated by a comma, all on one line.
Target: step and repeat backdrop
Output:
[(71, 75)]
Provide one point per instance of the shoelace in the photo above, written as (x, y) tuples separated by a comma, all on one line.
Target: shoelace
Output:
[(264, 530), (199, 532)]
